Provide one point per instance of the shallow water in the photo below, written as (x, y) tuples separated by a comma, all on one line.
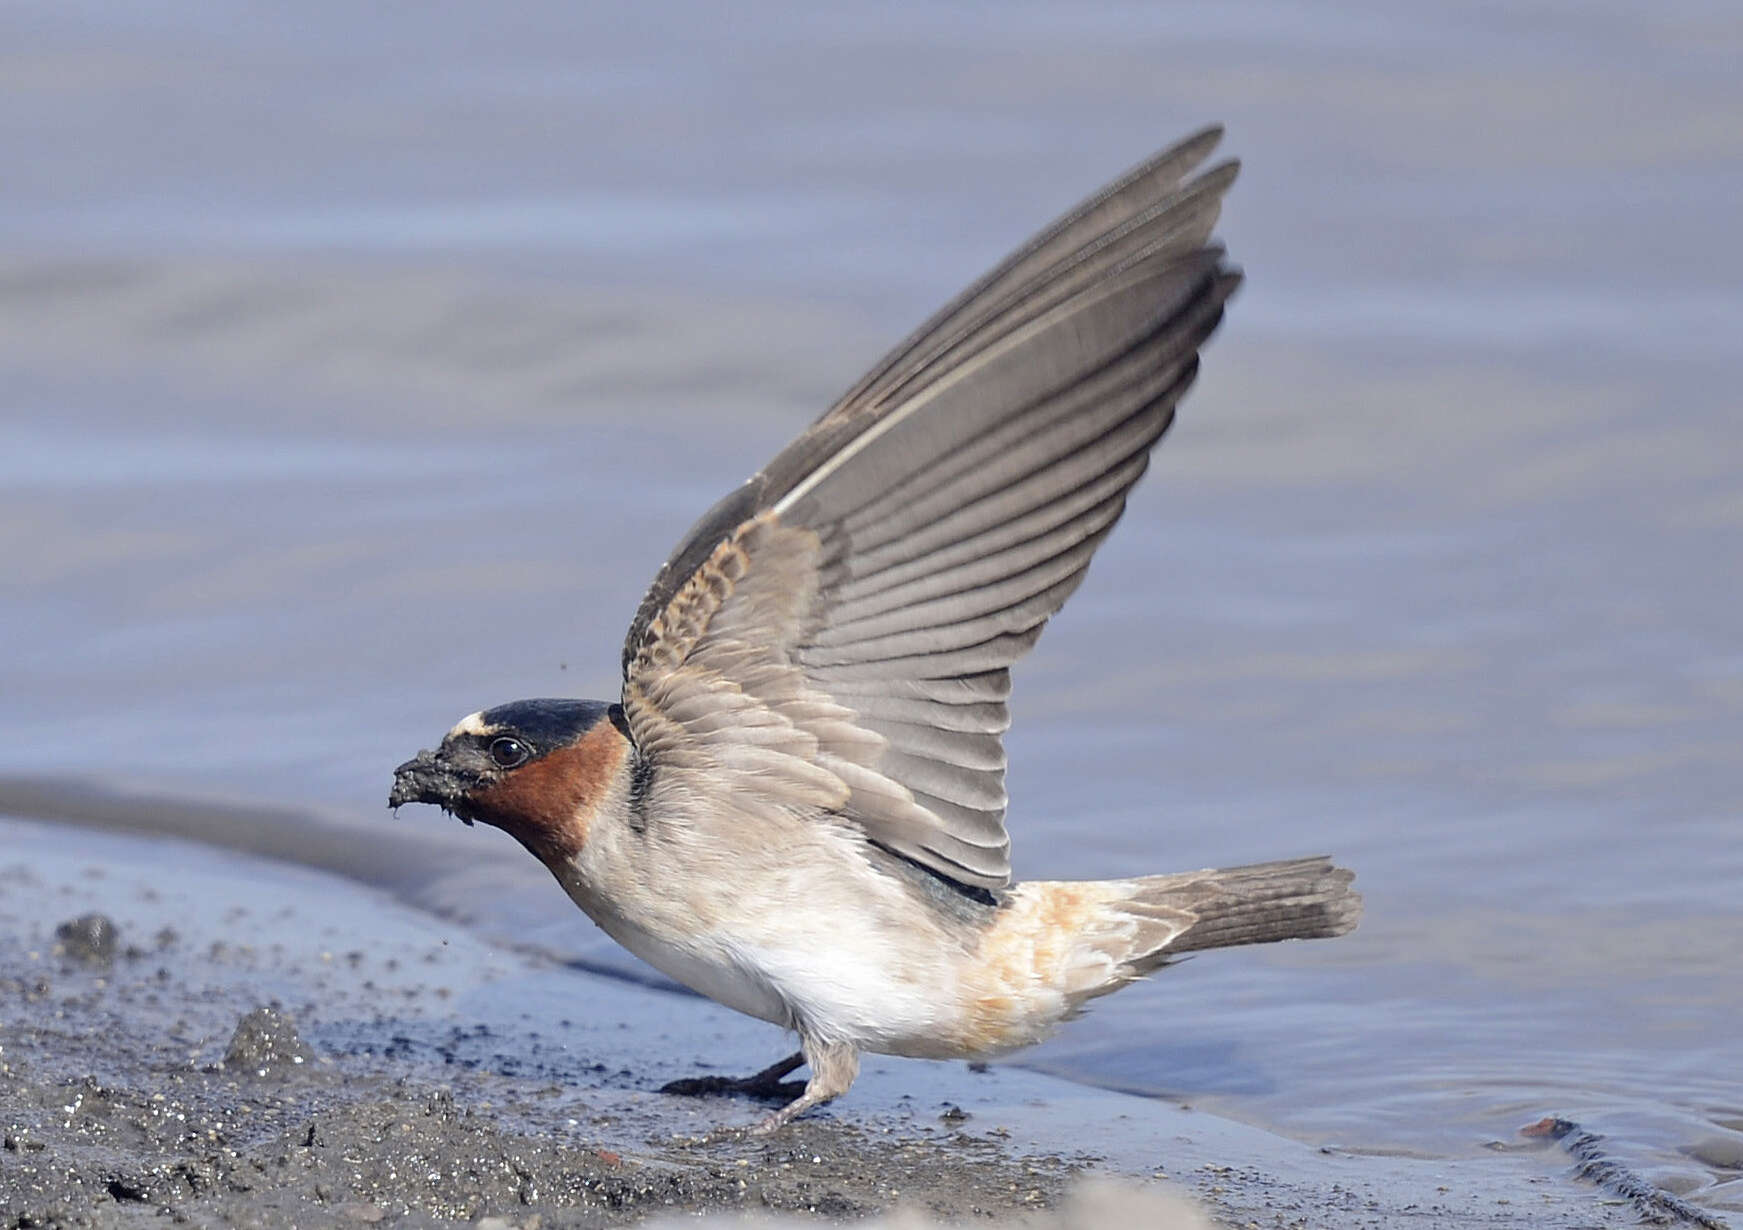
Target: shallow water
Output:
[(357, 374)]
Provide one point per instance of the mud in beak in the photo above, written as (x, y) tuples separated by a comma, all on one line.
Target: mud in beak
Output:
[(427, 778)]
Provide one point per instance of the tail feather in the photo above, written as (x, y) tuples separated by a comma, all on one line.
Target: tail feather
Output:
[(1296, 899)]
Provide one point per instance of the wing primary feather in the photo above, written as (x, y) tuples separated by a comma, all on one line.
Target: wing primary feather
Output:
[(979, 751), (1170, 230), (1174, 340), (1054, 425), (973, 557), (885, 713), (990, 559), (992, 654), (1050, 354), (1063, 475), (966, 606), (940, 640), (1032, 481), (985, 687), (1105, 210)]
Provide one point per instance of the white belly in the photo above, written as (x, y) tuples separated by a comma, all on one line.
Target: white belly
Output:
[(846, 982), (705, 972)]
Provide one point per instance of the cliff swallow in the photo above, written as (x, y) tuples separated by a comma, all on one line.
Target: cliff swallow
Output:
[(797, 805)]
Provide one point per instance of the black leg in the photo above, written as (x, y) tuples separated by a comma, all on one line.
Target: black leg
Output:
[(769, 1083)]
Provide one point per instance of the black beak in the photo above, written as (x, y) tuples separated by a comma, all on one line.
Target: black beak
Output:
[(427, 778)]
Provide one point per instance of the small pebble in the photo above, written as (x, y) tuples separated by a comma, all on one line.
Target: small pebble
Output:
[(90, 938), (265, 1043)]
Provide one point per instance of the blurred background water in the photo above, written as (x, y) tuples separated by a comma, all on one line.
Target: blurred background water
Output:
[(358, 365)]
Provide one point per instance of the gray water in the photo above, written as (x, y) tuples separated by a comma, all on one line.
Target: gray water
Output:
[(357, 368)]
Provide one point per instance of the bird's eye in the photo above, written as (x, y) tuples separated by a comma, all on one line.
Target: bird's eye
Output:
[(508, 753)]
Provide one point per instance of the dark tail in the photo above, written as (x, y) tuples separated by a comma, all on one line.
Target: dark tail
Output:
[(1297, 899), (1141, 925)]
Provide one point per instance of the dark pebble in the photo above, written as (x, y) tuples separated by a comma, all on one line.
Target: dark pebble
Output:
[(265, 1043), (90, 938)]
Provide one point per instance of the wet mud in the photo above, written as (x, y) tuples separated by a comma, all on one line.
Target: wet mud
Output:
[(335, 1146), (271, 1046), (128, 1100)]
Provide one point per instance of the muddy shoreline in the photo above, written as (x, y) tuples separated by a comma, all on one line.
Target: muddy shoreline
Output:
[(411, 1073), (144, 1077), (342, 1145)]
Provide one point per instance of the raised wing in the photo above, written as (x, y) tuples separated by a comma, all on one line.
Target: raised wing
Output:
[(837, 634)]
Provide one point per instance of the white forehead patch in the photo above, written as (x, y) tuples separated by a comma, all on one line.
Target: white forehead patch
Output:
[(471, 724)]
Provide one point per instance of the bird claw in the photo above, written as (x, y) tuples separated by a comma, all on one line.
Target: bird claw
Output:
[(768, 1125)]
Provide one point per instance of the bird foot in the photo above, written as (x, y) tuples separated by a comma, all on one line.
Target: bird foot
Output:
[(767, 1085), (749, 1086)]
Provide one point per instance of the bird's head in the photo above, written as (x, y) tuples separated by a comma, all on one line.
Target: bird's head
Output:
[(537, 769)]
